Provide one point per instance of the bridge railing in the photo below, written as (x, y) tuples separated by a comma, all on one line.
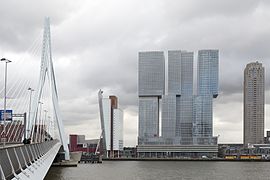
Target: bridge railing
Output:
[(14, 160)]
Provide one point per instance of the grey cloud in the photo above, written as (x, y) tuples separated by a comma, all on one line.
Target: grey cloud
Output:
[(95, 46), (21, 21), (199, 9)]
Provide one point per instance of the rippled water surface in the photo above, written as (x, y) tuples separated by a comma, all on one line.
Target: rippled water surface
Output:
[(155, 170)]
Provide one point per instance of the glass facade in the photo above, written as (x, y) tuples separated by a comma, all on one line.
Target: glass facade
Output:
[(117, 129), (186, 73), (174, 72), (203, 119), (207, 89), (151, 73), (208, 72), (168, 116), (148, 118), (186, 118), (180, 88), (151, 88), (180, 72)]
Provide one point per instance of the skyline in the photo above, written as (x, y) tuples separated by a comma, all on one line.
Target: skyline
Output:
[(78, 38)]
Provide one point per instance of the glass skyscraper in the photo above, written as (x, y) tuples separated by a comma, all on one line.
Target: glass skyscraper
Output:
[(186, 119), (151, 74), (207, 73), (177, 105), (148, 117), (151, 89), (207, 89), (168, 116)]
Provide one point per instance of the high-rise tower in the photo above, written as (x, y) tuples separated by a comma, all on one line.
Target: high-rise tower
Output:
[(112, 125), (207, 89), (151, 88), (186, 119), (207, 72), (180, 72), (254, 103), (177, 105)]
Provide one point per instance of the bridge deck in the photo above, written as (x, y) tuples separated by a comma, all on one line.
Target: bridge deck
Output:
[(30, 161)]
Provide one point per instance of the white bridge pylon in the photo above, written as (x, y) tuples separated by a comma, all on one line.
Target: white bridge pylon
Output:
[(47, 71)]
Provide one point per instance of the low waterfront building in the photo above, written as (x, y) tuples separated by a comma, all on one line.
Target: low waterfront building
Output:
[(267, 138), (177, 151), (129, 152), (239, 151), (229, 149), (79, 143)]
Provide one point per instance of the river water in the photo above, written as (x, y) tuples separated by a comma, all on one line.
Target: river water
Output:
[(163, 170)]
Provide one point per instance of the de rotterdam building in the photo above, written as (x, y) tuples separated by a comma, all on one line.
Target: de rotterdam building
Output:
[(177, 122)]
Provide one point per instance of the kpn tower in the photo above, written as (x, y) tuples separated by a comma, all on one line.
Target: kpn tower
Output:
[(177, 122), (111, 117)]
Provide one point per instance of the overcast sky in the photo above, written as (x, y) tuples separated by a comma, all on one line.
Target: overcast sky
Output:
[(95, 44)]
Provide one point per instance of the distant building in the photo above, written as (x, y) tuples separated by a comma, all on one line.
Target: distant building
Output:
[(151, 74), (267, 138), (207, 89), (239, 151), (151, 88), (130, 152), (186, 119), (79, 143), (254, 87), (112, 126), (207, 72), (229, 149), (177, 108)]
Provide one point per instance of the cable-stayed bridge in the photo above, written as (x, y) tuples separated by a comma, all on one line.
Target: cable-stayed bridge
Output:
[(31, 126)]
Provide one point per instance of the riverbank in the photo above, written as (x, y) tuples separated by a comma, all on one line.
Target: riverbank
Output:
[(181, 159)]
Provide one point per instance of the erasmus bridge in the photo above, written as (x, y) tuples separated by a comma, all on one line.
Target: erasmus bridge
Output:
[(31, 125)]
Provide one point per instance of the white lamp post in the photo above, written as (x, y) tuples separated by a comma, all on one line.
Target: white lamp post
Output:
[(5, 99)]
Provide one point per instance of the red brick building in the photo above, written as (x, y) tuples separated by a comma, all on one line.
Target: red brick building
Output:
[(79, 143)]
